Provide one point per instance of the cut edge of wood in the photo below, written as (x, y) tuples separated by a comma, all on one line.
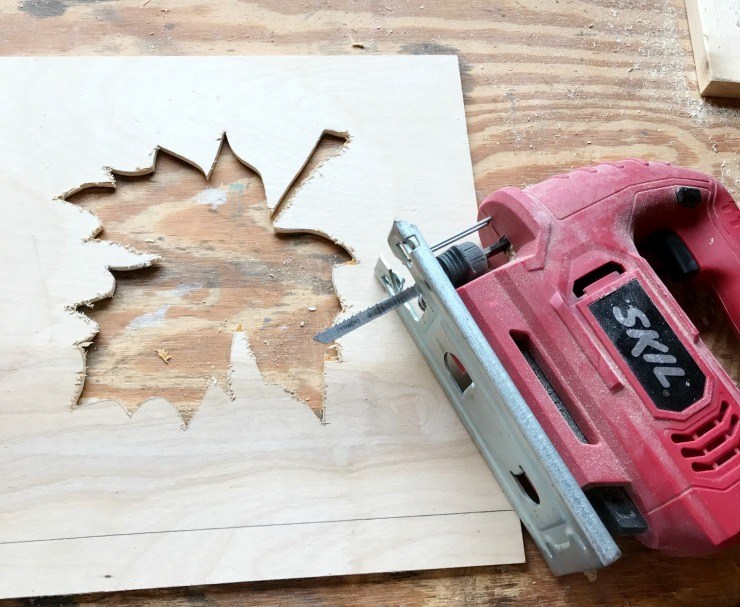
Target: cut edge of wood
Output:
[(720, 88), (279, 207)]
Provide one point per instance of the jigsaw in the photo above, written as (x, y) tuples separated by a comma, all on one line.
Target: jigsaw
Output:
[(581, 379)]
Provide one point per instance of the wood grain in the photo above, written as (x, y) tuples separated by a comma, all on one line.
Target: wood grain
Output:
[(548, 85)]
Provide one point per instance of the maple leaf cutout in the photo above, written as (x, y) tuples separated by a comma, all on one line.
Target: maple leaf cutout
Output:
[(222, 265)]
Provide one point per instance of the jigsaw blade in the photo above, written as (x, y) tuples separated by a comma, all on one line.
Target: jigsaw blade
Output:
[(361, 318)]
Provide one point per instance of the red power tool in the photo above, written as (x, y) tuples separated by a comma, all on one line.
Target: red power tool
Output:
[(583, 382)]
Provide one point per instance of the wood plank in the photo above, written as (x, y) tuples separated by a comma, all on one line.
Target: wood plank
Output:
[(715, 36), (257, 553), (548, 85), (252, 457)]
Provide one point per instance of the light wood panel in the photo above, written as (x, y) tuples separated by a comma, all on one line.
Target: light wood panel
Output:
[(256, 484), (257, 553), (548, 84)]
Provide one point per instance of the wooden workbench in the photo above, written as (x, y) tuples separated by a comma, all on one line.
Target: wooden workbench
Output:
[(548, 85)]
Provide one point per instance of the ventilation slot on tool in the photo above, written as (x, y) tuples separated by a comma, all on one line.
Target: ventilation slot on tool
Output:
[(457, 372), (522, 342), (526, 485), (581, 284), (713, 444)]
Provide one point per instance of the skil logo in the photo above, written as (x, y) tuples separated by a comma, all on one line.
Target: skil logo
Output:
[(648, 345)]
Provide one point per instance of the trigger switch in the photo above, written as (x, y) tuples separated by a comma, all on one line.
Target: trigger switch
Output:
[(688, 197), (674, 255)]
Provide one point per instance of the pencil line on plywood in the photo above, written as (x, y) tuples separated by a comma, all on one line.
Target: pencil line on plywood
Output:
[(261, 525)]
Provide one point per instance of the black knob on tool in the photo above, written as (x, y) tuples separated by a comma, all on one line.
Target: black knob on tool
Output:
[(463, 262), (466, 261)]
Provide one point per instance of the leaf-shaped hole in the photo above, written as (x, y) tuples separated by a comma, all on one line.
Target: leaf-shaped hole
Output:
[(222, 265)]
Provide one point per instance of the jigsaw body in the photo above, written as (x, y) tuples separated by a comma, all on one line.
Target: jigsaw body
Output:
[(604, 355)]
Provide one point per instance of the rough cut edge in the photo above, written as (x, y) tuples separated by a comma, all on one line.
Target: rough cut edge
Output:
[(148, 259), (282, 207), (279, 208), (94, 327), (240, 346)]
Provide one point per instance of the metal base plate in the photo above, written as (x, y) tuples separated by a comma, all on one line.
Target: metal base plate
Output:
[(530, 471)]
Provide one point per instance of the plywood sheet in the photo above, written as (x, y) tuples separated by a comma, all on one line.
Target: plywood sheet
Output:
[(256, 487), (715, 36)]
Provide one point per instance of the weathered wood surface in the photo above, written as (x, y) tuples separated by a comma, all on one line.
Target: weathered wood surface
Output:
[(548, 85)]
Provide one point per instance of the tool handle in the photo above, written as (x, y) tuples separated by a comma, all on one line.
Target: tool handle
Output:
[(716, 247), (640, 199)]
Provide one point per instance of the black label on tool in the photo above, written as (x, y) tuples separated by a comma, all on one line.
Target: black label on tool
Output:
[(649, 346)]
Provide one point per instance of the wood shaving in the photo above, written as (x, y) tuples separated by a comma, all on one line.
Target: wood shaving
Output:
[(354, 42)]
